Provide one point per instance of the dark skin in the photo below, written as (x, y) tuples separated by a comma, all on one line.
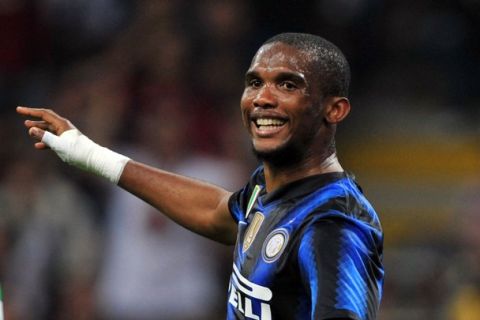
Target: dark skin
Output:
[(279, 88)]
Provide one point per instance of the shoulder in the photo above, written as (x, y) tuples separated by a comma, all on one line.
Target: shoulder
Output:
[(344, 202), (358, 228)]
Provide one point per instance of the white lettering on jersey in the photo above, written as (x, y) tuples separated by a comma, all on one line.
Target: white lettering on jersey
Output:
[(244, 293)]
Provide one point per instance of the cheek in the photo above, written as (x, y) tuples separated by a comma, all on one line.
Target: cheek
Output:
[(310, 119), (245, 121), (247, 97), (244, 108)]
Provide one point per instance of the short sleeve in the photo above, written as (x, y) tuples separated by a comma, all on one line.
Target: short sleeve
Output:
[(341, 267), (235, 204), (238, 201)]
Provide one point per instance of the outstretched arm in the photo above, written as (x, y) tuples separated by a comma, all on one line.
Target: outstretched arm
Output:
[(198, 206)]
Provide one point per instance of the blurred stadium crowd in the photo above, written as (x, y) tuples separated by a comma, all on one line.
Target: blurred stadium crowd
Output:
[(160, 81)]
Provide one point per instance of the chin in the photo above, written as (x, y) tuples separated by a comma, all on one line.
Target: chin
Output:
[(282, 156)]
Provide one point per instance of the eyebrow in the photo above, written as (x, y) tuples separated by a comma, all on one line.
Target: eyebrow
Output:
[(294, 76), (251, 75)]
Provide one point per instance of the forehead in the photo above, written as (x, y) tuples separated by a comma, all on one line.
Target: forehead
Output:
[(278, 55)]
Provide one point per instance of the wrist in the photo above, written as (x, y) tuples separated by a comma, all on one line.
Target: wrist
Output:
[(78, 150)]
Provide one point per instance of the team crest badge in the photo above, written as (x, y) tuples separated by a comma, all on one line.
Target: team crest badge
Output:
[(252, 230), (275, 244)]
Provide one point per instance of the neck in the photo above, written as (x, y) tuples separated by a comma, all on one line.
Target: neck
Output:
[(276, 177)]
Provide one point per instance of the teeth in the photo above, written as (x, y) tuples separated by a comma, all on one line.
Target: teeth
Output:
[(269, 122)]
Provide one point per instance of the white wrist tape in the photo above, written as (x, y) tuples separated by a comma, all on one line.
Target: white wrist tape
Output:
[(76, 149)]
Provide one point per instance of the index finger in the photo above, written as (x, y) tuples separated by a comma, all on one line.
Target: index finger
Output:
[(44, 114), (54, 122)]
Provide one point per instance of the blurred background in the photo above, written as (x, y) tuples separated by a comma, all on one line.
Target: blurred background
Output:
[(160, 81)]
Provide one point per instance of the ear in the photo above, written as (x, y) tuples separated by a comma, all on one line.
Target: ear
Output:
[(336, 109)]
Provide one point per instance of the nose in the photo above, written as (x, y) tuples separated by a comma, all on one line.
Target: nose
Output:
[(265, 98)]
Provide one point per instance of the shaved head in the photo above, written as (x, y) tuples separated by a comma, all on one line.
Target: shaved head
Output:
[(327, 60)]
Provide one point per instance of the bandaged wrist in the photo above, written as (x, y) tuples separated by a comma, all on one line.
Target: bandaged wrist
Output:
[(76, 149)]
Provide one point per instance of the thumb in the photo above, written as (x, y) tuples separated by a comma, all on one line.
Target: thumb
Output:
[(60, 144)]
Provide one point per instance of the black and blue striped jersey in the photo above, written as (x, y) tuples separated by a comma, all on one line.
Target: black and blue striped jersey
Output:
[(311, 249)]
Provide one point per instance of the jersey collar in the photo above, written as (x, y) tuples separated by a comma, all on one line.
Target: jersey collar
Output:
[(299, 187)]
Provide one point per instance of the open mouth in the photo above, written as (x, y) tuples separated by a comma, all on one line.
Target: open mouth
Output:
[(267, 124)]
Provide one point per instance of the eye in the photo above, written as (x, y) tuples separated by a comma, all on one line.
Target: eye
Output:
[(288, 85), (255, 83)]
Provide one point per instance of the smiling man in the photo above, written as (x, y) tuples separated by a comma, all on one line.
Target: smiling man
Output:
[(308, 245)]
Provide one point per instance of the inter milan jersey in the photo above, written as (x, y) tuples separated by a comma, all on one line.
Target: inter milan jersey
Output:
[(311, 249)]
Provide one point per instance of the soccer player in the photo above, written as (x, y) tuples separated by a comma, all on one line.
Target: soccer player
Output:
[(308, 243)]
